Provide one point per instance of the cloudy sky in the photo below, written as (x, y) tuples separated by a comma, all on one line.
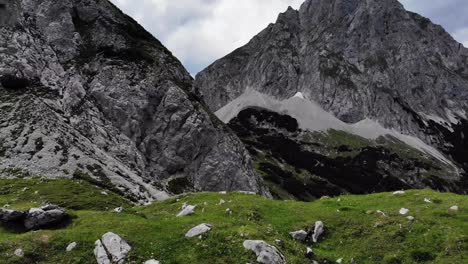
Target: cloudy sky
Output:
[(200, 31)]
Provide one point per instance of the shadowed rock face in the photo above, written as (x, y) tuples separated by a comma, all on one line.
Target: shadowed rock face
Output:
[(86, 91), (310, 165), (357, 59)]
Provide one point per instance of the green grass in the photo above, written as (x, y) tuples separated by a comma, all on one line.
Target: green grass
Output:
[(354, 230)]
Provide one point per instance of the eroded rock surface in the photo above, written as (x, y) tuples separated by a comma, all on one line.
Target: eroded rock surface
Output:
[(86, 92)]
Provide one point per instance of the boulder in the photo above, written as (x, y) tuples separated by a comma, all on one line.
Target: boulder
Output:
[(7, 215), (198, 230), (111, 248), (266, 254), (319, 229), (45, 216), (300, 235), (188, 210)]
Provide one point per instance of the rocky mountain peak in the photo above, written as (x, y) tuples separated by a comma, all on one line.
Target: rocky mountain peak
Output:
[(362, 61)]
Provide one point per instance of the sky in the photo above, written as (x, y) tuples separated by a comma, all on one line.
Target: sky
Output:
[(198, 32)]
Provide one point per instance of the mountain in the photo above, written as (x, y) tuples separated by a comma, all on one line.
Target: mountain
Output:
[(87, 93), (347, 96)]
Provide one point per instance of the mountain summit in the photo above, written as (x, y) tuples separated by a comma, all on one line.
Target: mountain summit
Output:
[(366, 67), (87, 93)]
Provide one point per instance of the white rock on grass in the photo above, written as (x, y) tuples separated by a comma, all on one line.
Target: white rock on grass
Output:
[(454, 208), (104, 193), (266, 254), (221, 202), (71, 246), (427, 200), (319, 229), (410, 218), (198, 230), (188, 210), (111, 248), (339, 260), (300, 235), (19, 252), (118, 210), (152, 261), (245, 192), (403, 211), (399, 192)]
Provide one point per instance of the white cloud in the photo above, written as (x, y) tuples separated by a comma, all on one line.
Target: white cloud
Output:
[(462, 36), (201, 31)]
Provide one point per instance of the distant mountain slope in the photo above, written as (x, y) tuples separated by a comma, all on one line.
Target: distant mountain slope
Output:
[(371, 64), (86, 92)]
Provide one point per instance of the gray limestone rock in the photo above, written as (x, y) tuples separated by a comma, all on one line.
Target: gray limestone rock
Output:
[(7, 215), (45, 216), (265, 253), (198, 230), (111, 248), (86, 92)]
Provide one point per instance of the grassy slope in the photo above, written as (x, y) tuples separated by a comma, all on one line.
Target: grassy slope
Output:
[(437, 235)]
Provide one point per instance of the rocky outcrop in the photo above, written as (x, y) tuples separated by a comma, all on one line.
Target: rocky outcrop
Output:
[(358, 60), (85, 91)]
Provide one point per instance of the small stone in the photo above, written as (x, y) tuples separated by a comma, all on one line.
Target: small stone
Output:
[(427, 200), (198, 230), (223, 192), (309, 252), (381, 213), (104, 193), (403, 211), (188, 210), (399, 192), (152, 261), (221, 202), (454, 208), (25, 189), (71, 246), (339, 260), (19, 252), (118, 210), (300, 235), (410, 218)]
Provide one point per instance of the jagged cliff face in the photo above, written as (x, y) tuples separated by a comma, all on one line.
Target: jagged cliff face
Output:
[(86, 91), (358, 60)]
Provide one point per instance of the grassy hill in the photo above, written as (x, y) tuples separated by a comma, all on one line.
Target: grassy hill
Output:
[(353, 227)]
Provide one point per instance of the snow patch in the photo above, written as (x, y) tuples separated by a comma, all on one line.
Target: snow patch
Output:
[(299, 95), (312, 117)]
